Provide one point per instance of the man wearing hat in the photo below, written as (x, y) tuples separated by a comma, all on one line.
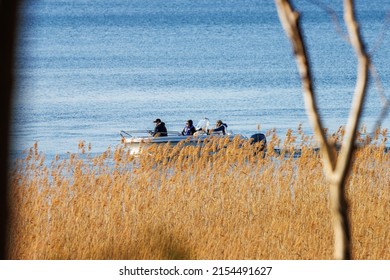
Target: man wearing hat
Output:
[(160, 129)]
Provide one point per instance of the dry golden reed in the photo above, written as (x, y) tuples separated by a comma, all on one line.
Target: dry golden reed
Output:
[(225, 200)]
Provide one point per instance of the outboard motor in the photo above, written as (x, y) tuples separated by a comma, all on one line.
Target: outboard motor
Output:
[(259, 137)]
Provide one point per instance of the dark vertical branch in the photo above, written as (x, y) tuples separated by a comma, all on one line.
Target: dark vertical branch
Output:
[(8, 30)]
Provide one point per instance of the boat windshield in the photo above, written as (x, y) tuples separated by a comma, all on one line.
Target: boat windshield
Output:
[(203, 124)]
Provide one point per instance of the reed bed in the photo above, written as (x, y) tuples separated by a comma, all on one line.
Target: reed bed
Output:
[(225, 200)]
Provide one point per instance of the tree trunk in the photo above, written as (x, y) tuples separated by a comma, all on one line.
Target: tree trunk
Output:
[(340, 219), (336, 168)]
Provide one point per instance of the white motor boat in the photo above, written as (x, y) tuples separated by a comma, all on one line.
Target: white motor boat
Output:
[(136, 140)]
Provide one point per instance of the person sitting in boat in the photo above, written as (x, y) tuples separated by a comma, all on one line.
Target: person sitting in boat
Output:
[(220, 127), (189, 129), (160, 129)]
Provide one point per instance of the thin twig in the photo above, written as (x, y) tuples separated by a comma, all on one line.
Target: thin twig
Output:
[(333, 15), (381, 37), (385, 101), (339, 30)]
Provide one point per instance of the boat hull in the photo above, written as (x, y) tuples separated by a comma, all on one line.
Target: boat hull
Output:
[(137, 144)]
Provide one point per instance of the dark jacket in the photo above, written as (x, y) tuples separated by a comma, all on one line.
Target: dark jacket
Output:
[(188, 130), (222, 128), (160, 130)]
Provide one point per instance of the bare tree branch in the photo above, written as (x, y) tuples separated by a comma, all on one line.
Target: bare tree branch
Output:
[(336, 169), (359, 93), (385, 101), (381, 37), (290, 22), (332, 13)]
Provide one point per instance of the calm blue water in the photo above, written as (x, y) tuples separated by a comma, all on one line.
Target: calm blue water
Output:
[(88, 69)]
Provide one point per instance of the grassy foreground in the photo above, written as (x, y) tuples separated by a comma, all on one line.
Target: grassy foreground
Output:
[(195, 203)]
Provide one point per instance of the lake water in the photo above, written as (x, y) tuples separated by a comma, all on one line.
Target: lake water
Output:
[(88, 69)]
